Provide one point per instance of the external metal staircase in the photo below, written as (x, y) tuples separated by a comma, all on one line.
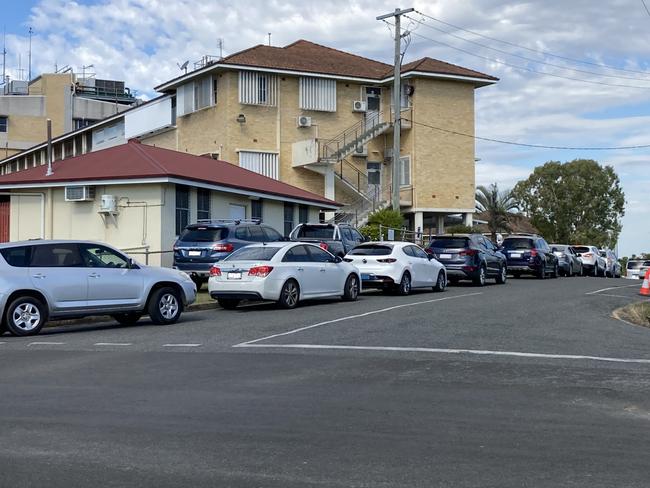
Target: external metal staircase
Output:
[(353, 138)]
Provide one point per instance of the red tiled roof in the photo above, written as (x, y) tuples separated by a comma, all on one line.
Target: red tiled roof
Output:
[(140, 161), (430, 65)]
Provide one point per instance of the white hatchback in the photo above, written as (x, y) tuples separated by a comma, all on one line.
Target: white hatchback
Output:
[(285, 272), (397, 265)]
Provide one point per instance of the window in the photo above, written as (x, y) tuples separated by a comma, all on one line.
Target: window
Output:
[(81, 123), (102, 257), (405, 90), (56, 256), (320, 256), (256, 209), (317, 94), (68, 148), (405, 171), (347, 235), (242, 234), (203, 234), (271, 234), (372, 250), (214, 90), (264, 163), (298, 254), (4, 123), (182, 208), (288, 218), (249, 253), (303, 214), (19, 256), (419, 253), (408, 251), (202, 204), (257, 88), (203, 93), (257, 234)]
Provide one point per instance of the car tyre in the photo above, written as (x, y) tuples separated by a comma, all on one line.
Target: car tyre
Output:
[(289, 295), (441, 282), (25, 316), (502, 276), (351, 290), (404, 287), (165, 306), (129, 318), (480, 279), (228, 303), (555, 272)]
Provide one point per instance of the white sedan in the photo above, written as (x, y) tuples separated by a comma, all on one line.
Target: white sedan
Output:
[(282, 272), (397, 265)]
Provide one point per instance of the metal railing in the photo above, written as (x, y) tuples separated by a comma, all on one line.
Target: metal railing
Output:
[(352, 138), (403, 234)]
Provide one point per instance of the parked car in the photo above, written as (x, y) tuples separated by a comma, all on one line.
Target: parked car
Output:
[(399, 266), (633, 269), (612, 266), (202, 244), (592, 262), (282, 272), (338, 239), (530, 254), (42, 280), (469, 257), (643, 269), (568, 261)]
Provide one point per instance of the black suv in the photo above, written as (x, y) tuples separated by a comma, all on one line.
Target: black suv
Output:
[(202, 244), (469, 257), (339, 239), (530, 254)]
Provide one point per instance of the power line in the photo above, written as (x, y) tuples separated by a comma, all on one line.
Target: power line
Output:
[(539, 51), (537, 146), (526, 58), (645, 6)]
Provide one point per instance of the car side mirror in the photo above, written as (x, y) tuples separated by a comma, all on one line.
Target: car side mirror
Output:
[(338, 259), (430, 256), (131, 264)]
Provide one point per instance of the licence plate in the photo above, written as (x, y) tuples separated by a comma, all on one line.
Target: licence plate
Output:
[(234, 276), (366, 276), (515, 254), (194, 253), (445, 256)]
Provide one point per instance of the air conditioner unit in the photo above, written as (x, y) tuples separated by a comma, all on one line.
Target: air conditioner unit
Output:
[(79, 193), (303, 121), (108, 204), (359, 106)]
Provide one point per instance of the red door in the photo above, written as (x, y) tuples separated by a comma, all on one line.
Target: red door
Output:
[(4, 219)]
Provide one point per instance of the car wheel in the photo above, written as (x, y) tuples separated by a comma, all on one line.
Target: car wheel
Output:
[(289, 295), (541, 274), (555, 272), (129, 318), (480, 279), (228, 303), (25, 316), (351, 291), (404, 287), (441, 282), (503, 275), (165, 306)]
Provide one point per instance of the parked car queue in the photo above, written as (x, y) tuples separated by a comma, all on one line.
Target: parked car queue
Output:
[(44, 280)]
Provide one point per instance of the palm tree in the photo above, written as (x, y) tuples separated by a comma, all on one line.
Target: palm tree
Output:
[(497, 205)]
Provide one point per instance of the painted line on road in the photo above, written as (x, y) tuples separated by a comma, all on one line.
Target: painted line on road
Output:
[(182, 345), (610, 288), (350, 317), (46, 344), (113, 344), (454, 351), (617, 296)]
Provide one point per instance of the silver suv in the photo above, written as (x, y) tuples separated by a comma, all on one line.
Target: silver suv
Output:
[(41, 280)]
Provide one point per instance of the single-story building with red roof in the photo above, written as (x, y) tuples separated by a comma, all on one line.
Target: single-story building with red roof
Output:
[(139, 198)]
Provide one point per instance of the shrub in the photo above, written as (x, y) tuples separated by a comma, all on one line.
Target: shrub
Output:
[(387, 218), (460, 229)]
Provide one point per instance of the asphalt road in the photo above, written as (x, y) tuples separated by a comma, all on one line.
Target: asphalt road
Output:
[(527, 384)]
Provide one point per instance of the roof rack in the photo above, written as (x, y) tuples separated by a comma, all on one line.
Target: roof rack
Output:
[(229, 221)]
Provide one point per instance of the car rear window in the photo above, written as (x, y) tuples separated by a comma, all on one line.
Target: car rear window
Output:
[(559, 247), (203, 234), (634, 264), (450, 242), (371, 250), (18, 257), (315, 232), (517, 243), (253, 254), (581, 249)]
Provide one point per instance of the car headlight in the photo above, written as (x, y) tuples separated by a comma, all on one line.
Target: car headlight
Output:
[(184, 275)]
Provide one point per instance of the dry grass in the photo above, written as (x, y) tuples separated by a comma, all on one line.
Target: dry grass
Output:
[(636, 313)]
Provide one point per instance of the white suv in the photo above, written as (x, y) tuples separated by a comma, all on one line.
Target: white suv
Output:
[(40, 280)]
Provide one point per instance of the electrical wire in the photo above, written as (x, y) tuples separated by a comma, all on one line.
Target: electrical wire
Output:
[(645, 6), (539, 51), (527, 58), (537, 146)]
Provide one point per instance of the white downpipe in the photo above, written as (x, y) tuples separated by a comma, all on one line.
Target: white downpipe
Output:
[(42, 197)]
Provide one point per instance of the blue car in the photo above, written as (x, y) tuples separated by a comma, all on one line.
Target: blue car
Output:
[(530, 254)]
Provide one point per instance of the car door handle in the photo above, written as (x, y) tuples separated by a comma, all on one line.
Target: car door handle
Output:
[(94, 275), (39, 276), (322, 270), (301, 269)]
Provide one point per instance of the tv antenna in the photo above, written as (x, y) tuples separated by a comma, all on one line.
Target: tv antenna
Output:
[(29, 76), (4, 56), (220, 46), (183, 67)]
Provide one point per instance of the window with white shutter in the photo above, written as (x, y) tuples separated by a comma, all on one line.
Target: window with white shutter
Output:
[(203, 93), (405, 170), (257, 88), (185, 99), (263, 163), (317, 94)]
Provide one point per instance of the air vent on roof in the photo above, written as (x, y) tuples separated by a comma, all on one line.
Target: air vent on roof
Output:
[(303, 121), (358, 106), (79, 193)]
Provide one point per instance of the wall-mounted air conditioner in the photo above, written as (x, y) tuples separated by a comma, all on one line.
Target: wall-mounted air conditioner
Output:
[(303, 121), (79, 193), (108, 205), (359, 106)]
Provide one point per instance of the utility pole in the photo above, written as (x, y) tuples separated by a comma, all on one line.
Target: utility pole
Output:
[(397, 126)]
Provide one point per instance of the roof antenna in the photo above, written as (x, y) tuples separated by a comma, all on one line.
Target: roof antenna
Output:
[(269, 38), (220, 45), (49, 171), (183, 66), (4, 56), (29, 76)]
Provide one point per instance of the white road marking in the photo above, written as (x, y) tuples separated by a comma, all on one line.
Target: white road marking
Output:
[(612, 295), (350, 317), (454, 351), (610, 288), (181, 345), (46, 343), (113, 344)]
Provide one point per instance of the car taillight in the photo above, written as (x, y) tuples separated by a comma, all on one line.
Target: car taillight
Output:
[(468, 252), (348, 260), (387, 260), (533, 252), (223, 247), (215, 271), (261, 271), (323, 246)]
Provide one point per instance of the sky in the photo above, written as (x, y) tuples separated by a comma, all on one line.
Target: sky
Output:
[(572, 74)]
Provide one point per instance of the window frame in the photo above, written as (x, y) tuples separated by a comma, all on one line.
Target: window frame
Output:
[(405, 162), (203, 195), (4, 122), (182, 214)]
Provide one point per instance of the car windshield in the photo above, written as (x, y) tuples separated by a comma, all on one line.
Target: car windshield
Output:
[(603, 254), (203, 234), (558, 247), (515, 243), (371, 250), (449, 242), (256, 253), (581, 249), (316, 232), (635, 264)]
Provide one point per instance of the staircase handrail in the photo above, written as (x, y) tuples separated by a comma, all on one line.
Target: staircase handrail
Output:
[(333, 146)]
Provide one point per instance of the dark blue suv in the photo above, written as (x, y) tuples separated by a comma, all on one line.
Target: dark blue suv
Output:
[(530, 254), (202, 244)]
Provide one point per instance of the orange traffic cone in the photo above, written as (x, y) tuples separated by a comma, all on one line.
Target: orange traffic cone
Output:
[(645, 287)]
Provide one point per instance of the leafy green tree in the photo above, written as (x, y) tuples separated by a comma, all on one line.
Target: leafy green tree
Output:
[(387, 218), (460, 229), (575, 202), (497, 205)]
